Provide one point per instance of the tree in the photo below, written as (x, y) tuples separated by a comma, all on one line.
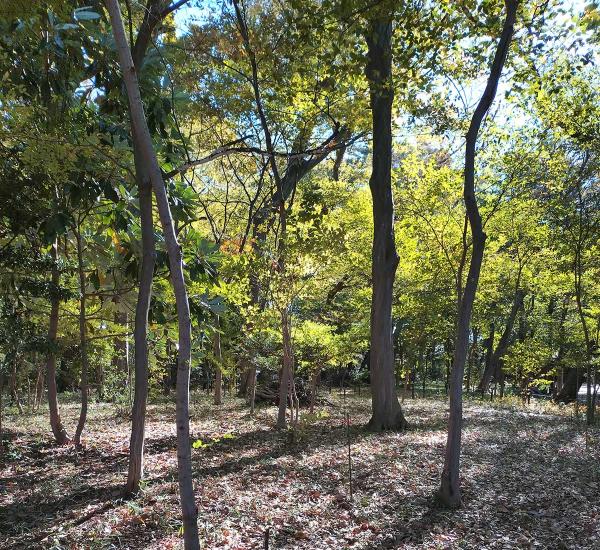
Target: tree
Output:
[(387, 413), (450, 486), (141, 135)]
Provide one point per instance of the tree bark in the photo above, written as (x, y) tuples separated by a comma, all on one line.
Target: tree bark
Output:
[(314, 382), (82, 340), (287, 370), (138, 414), (387, 413), (152, 18), (120, 359), (60, 434), (142, 136), (14, 392), (449, 493), (472, 356), (39, 387), (493, 368), (571, 383), (217, 358)]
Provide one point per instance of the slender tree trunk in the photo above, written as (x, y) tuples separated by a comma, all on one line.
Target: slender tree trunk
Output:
[(253, 391), (82, 340), (151, 19), (286, 370), (314, 381), (589, 415), (60, 434), (217, 356), (120, 359), (472, 356), (39, 387), (1, 408), (138, 414), (387, 413), (449, 492), (142, 135), (14, 392), (487, 368), (425, 372)]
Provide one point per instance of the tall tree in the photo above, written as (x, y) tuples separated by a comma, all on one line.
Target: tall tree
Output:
[(141, 135), (387, 413), (449, 492)]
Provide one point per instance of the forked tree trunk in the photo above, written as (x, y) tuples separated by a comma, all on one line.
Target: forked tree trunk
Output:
[(387, 413), (138, 414), (449, 493), (82, 341), (493, 366), (60, 434), (142, 136)]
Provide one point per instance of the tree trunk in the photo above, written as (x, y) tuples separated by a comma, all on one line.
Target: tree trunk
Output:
[(487, 372), (570, 387), (1, 409), (120, 359), (472, 355), (253, 391), (82, 340), (217, 357), (589, 414), (387, 413), (450, 484), (493, 367), (60, 434), (138, 413), (14, 393), (39, 387), (142, 135), (287, 370), (314, 381)]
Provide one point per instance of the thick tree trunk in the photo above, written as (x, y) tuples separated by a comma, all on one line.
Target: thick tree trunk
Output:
[(83, 354), (450, 484), (60, 434), (142, 135), (570, 386), (138, 414), (387, 413)]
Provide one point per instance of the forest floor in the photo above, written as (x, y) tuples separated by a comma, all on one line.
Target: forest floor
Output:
[(530, 480)]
